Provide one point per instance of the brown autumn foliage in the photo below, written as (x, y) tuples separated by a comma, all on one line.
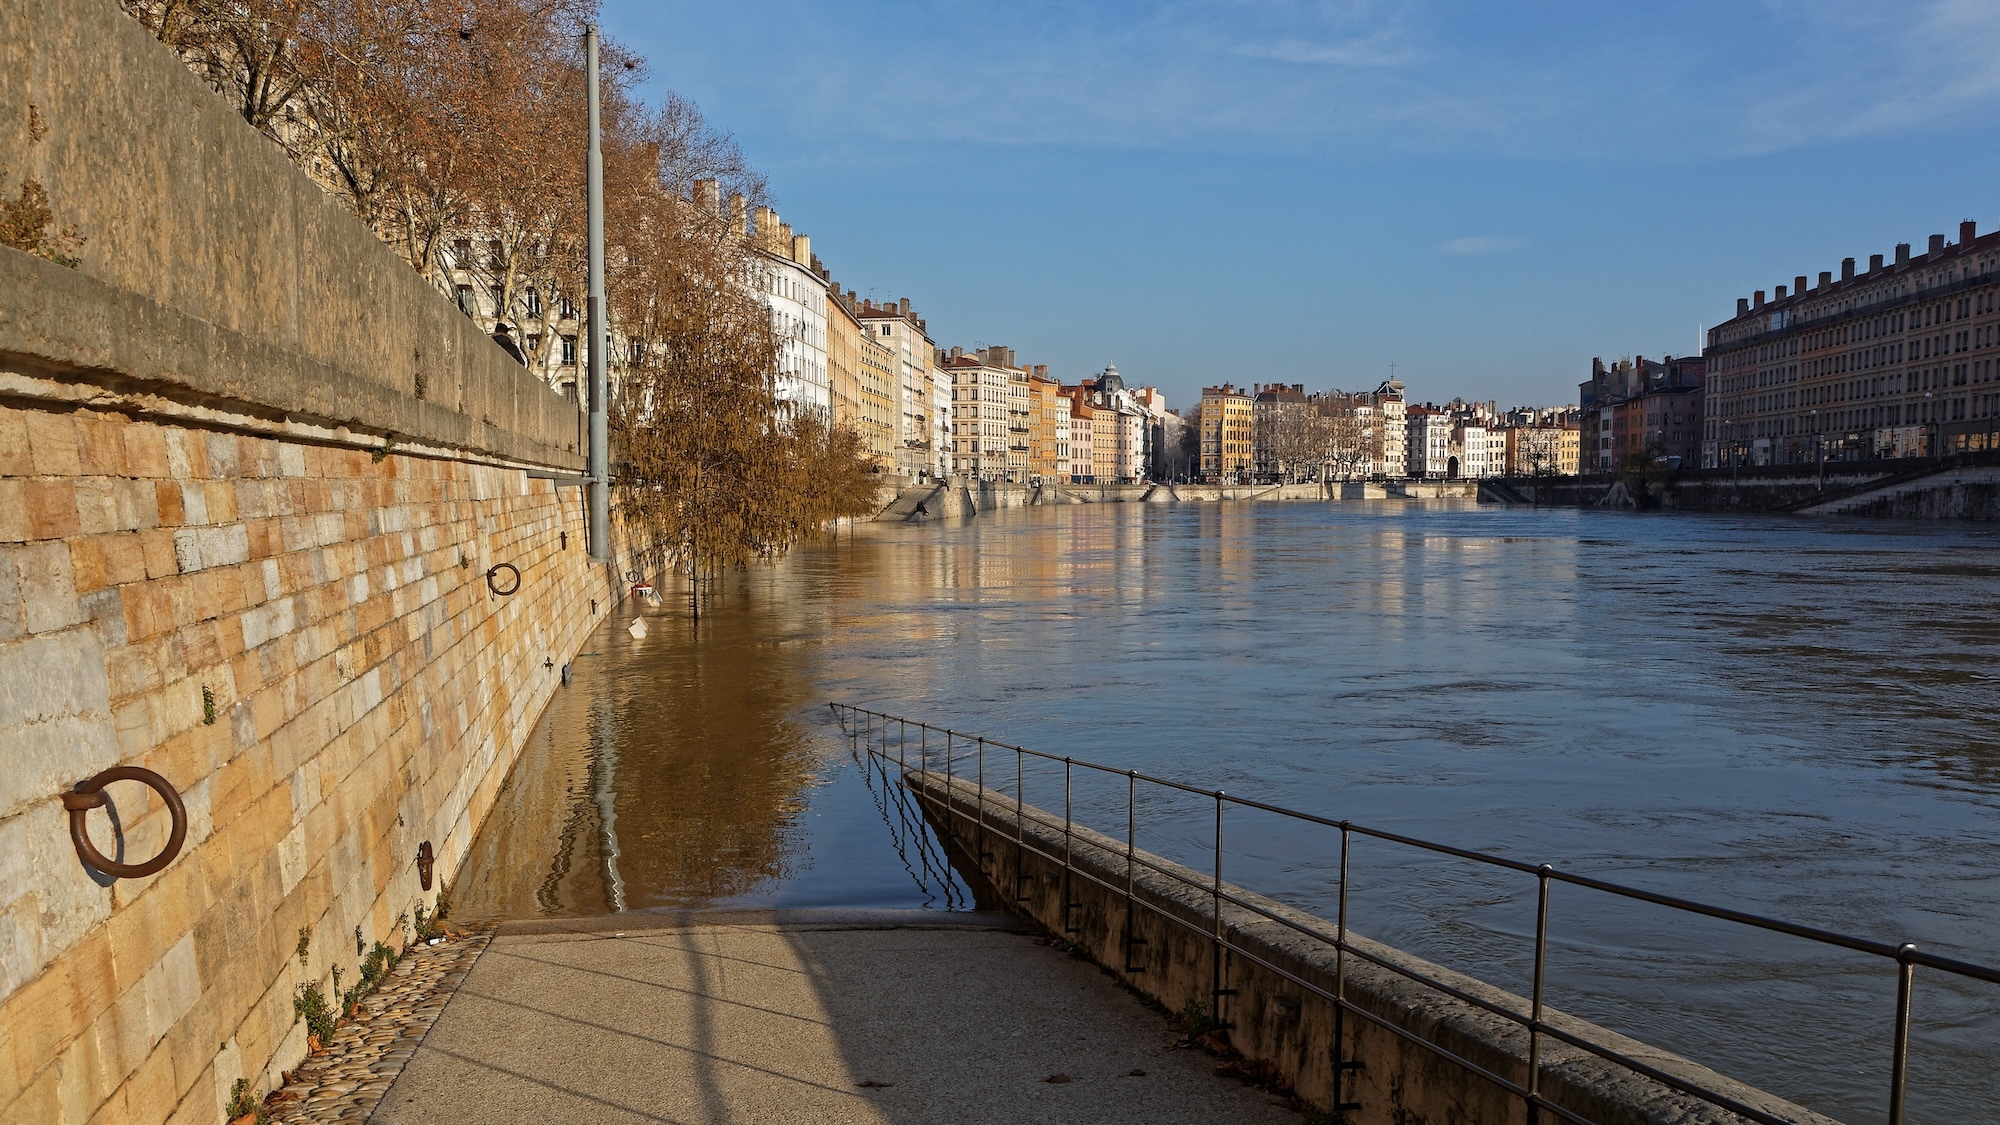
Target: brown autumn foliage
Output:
[(708, 453), (456, 130)]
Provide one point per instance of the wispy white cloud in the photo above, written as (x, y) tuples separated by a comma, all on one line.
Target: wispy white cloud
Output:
[(1483, 244)]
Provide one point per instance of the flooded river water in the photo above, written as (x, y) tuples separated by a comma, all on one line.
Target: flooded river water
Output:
[(1795, 718)]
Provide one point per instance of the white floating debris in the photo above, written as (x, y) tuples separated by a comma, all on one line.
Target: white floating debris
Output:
[(638, 628)]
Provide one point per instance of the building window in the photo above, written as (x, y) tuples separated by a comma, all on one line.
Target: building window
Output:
[(566, 306), (535, 344), (569, 350), (534, 301)]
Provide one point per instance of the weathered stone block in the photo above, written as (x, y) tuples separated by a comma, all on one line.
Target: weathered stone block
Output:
[(48, 587), (52, 444), (15, 458), (51, 508), (13, 511)]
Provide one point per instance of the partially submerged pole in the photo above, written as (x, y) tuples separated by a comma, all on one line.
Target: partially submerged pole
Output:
[(599, 468)]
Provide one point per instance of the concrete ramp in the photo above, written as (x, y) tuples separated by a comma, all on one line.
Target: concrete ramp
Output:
[(801, 1017), (907, 502), (1493, 490), (1954, 493)]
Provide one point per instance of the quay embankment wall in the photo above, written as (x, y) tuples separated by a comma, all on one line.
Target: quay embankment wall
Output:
[(957, 498), (1272, 1018), (253, 470), (1965, 486)]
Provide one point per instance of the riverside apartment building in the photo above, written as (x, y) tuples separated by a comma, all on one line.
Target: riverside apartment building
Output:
[(1894, 361)]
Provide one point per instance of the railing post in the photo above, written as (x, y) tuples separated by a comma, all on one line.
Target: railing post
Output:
[(1535, 1015), (1899, 1062), (1068, 901), (1131, 831), (979, 795), (1215, 936), (1020, 831), (1341, 1063)]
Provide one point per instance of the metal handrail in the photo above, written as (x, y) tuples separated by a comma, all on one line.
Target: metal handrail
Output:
[(1906, 955)]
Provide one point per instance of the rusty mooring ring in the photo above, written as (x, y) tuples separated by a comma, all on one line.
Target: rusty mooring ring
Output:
[(497, 568), (90, 795)]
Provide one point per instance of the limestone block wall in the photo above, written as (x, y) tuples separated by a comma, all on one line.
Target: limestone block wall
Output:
[(253, 470), (300, 637)]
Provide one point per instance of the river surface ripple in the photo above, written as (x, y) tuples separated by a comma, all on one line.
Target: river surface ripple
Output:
[(1796, 718)]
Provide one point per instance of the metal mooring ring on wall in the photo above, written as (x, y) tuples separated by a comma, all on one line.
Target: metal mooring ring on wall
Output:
[(90, 795), (495, 586)]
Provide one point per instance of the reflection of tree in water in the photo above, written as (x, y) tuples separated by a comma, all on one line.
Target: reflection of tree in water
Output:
[(669, 774), (712, 771)]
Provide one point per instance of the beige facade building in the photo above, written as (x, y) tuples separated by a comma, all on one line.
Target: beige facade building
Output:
[(921, 447), (1228, 432), (1896, 360), (862, 377), (981, 409), (1082, 437), (1538, 450), (1048, 427)]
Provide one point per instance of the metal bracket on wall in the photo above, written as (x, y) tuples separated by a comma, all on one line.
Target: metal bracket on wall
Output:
[(426, 861), (495, 586), (90, 795)]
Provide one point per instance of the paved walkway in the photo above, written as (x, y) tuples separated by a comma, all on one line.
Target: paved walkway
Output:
[(801, 1017)]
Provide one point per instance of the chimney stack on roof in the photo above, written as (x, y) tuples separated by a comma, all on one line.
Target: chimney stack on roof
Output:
[(1799, 285), (1757, 301), (903, 304), (1742, 309), (802, 248), (1967, 231), (1937, 243), (1902, 253), (708, 196), (1847, 269), (1779, 295), (1874, 262), (1825, 278), (739, 215)]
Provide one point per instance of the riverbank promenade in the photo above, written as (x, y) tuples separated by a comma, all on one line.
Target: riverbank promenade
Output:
[(801, 1016)]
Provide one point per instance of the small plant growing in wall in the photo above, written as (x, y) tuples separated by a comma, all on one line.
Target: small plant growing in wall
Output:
[(310, 1005), (423, 384), (243, 1108), (28, 223), (373, 968), (207, 706)]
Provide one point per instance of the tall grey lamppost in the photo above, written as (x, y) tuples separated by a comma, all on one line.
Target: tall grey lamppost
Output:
[(599, 466)]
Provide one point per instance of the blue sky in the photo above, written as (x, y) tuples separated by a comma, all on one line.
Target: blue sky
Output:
[(1485, 193)]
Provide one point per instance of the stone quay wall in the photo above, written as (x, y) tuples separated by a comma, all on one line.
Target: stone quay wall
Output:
[(253, 471), (1270, 1015)]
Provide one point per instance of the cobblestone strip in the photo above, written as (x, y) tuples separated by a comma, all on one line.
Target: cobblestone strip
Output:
[(346, 1080)]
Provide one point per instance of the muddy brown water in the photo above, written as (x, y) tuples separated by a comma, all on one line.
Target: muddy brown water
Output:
[(1793, 717)]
